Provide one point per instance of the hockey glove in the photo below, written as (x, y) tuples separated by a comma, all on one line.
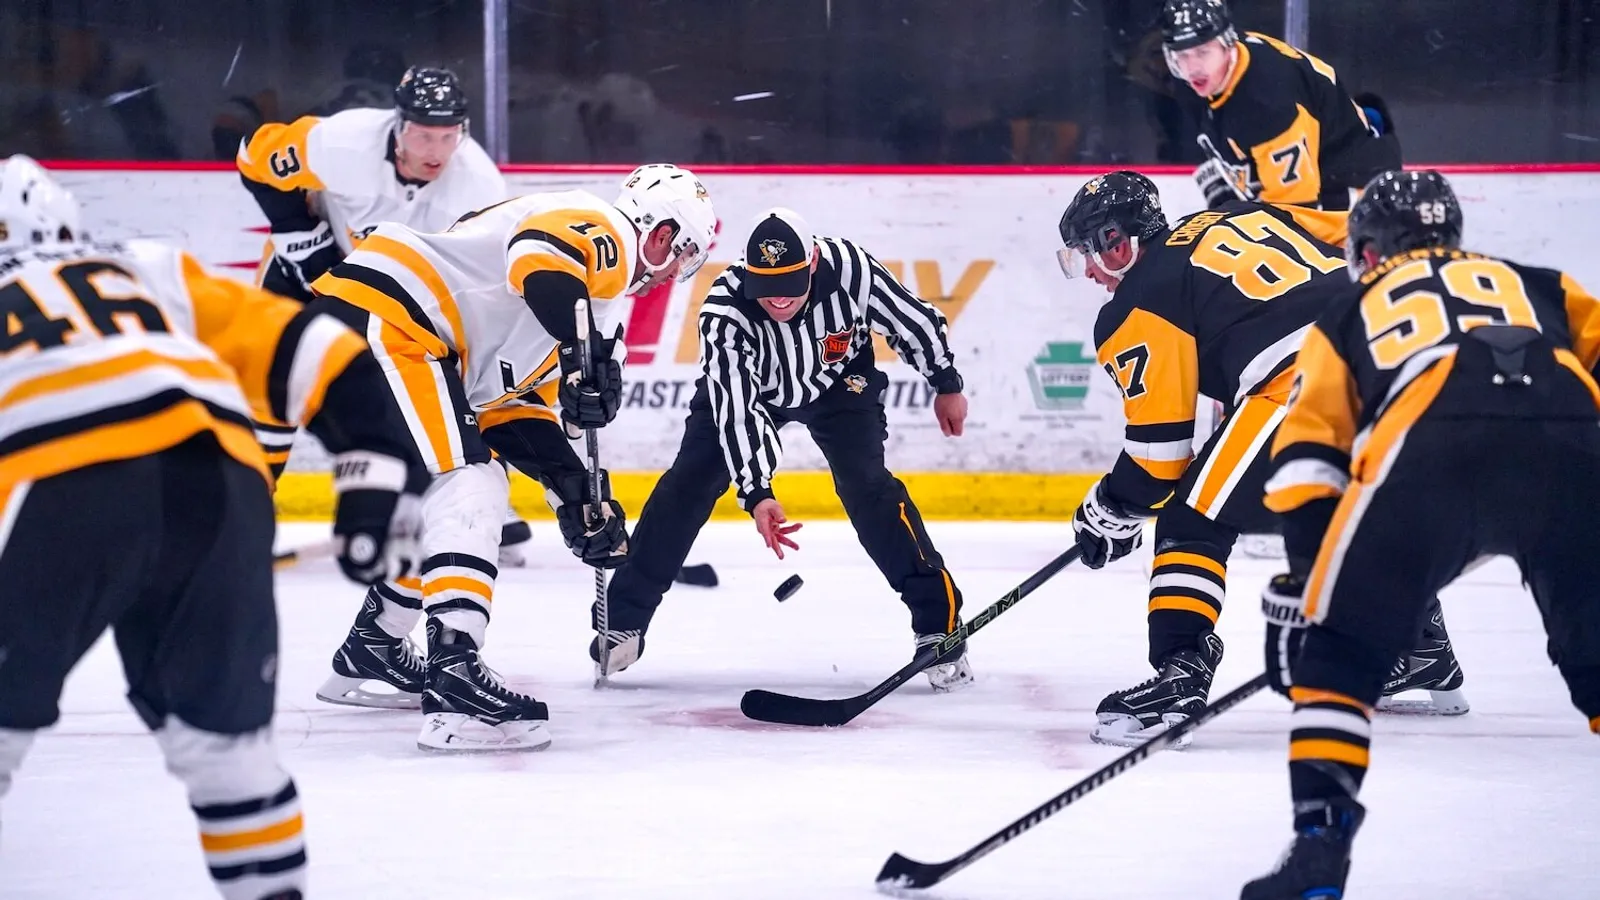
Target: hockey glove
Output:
[(1106, 530), (1216, 182), (377, 523), (591, 402), (602, 542), (1283, 604)]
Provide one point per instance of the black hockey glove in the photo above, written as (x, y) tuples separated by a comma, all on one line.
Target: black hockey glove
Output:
[(591, 402), (1283, 605), (1215, 182), (603, 542), (377, 522), (1106, 530)]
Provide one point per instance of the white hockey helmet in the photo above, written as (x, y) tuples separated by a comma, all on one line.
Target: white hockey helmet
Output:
[(34, 208), (661, 192)]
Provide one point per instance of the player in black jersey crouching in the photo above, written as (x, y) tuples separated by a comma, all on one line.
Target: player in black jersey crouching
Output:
[(1446, 408), (1215, 304)]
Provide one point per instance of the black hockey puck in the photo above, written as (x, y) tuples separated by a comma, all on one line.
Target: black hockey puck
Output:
[(787, 589), (699, 575)]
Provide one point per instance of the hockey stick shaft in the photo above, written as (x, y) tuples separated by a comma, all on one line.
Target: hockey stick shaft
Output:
[(591, 442), (902, 872), (289, 558), (784, 709)]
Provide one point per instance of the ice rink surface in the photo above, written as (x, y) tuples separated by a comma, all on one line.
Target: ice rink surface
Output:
[(658, 788)]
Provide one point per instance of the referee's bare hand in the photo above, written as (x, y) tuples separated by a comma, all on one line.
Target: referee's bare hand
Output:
[(770, 522), (951, 411)]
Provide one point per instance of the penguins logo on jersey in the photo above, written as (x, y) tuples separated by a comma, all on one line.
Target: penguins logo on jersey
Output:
[(855, 384), (772, 252)]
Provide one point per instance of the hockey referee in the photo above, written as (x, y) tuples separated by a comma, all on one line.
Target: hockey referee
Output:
[(786, 336)]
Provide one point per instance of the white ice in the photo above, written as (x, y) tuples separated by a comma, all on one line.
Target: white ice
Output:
[(657, 788)]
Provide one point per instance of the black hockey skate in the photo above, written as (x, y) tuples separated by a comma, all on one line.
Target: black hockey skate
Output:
[(626, 648), (466, 708), (626, 624), (373, 669), (516, 542), (1318, 861), (1432, 667), (1131, 717)]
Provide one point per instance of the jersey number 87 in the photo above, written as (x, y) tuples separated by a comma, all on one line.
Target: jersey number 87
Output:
[(1237, 249)]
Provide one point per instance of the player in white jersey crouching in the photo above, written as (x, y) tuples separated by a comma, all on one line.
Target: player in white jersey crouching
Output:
[(476, 330)]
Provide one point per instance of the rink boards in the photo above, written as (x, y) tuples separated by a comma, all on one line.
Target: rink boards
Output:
[(1044, 422)]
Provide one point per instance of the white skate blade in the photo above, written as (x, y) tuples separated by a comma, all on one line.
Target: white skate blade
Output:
[(512, 557), (947, 677), (1439, 703), (460, 733), (1118, 730), (346, 690)]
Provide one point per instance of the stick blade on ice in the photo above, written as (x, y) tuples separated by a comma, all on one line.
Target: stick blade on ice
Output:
[(900, 873), (782, 709)]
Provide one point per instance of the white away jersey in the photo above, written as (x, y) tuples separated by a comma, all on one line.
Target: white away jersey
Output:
[(459, 293), (115, 351), (345, 164)]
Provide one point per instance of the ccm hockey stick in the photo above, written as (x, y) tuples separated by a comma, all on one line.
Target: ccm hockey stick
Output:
[(900, 873), (783, 709), (591, 442)]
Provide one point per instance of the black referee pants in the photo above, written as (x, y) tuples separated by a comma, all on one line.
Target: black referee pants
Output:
[(850, 428)]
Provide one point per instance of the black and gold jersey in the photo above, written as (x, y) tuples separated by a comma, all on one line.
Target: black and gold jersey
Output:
[(1379, 358), (1218, 305), (1290, 129)]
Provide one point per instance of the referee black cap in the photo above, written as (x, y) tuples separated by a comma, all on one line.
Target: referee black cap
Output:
[(777, 256)]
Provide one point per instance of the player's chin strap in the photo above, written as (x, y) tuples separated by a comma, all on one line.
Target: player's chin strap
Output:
[(684, 247), (1133, 257)]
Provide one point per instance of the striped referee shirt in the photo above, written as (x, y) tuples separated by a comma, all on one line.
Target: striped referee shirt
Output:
[(753, 363)]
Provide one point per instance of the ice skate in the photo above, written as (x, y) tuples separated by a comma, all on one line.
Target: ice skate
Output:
[(626, 648), (954, 673), (1317, 862), (373, 669), (466, 708), (1131, 717), (1259, 546), (1432, 667), (516, 542)]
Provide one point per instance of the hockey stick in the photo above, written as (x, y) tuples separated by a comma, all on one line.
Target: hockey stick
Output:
[(783, 709), (698, 575), (591, 442), (900, 873), (288, 558)]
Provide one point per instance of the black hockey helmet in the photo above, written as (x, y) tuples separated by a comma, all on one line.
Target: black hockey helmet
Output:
[(1109, 209), (430, 96), (1190, 23), (1400, 211)]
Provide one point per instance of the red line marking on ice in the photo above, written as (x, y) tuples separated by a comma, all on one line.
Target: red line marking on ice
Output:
[(1059, 746)]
